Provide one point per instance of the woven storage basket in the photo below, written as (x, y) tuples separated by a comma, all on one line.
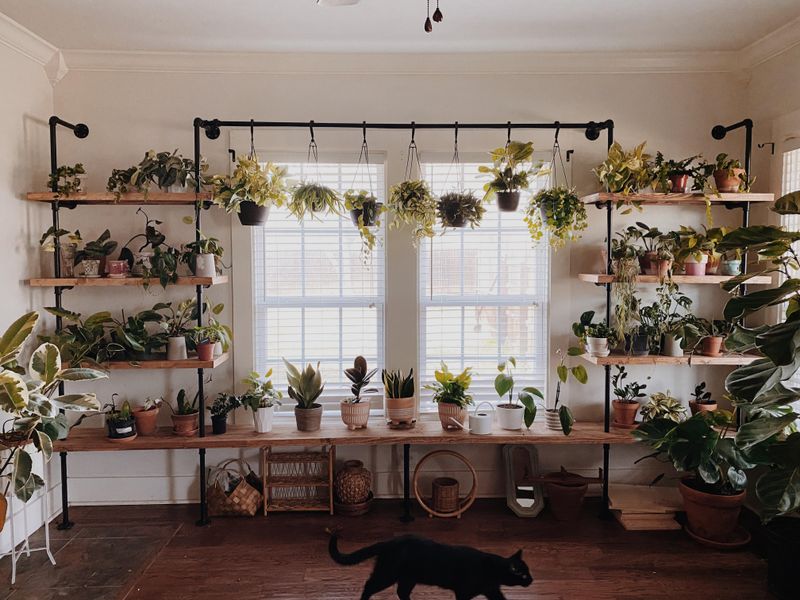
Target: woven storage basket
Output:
[(353, 483), (445, 495), (244, 500)]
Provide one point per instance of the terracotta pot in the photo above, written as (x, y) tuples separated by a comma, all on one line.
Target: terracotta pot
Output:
[(695, 265), (3, 511), (146, 421), (711, 346), (308, 419), (728, 183), (186, 425), (219, 424), (625, 412), (401, 411), (696, 407), (663, 267), (252, 215), (353, 484), (205, 351), (647, 263), (678, 183), (355, 415), (565, 496), (448, 412), (507, 201), (711, 516)]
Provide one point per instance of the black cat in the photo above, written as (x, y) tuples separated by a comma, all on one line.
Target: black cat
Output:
[(410, 560)]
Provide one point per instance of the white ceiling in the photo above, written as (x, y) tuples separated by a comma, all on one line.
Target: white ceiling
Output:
[(397, 25)]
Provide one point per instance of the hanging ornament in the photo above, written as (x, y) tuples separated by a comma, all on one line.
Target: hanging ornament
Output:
[(437, 14), (428, 24)]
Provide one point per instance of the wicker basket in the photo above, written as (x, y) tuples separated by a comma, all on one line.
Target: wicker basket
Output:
[(445, 495), (353, 483), (243, 500), (298, 481)]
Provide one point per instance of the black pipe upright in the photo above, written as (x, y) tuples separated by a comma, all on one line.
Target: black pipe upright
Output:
[(407, 517), (604, 512)]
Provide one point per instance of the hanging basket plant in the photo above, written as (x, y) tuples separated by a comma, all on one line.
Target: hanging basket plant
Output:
[(412, 203), (459, 209), (365, 212), (559, 211), (251, 190), (314, 199), (511, 169)]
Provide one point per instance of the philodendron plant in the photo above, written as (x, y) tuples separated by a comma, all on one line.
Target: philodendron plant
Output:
[(251, 182), (504, 385), (625, 172), (27, 397)]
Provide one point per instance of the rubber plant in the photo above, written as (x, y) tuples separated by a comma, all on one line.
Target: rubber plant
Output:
[(412, 203), (27, 396), (559, 211)]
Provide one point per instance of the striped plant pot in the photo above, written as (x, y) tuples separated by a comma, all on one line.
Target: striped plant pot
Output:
[(449, 413)]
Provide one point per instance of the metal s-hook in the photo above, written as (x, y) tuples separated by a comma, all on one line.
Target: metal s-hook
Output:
[(455, 136), (508, 137), (413, 131), (311, 130), (363, 132), (252, 138), (558, 130)]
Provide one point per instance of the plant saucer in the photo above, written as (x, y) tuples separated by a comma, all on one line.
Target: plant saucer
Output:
[(118, 276), (623, 425), (123, 440), (191, 433), (738, 539)]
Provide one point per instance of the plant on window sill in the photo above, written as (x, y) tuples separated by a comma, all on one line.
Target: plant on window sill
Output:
[(516, 411)]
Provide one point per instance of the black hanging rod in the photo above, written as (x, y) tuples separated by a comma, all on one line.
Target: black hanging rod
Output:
[(212, 126)]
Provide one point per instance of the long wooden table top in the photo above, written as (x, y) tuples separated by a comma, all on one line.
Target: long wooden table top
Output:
[(335, 433)]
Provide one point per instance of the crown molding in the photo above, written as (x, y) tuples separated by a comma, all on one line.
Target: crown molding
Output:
[(771, 45), (24, 41)]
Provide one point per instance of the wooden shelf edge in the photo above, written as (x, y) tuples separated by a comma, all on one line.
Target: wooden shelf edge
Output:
[(133, 198), (600, 278), (124, 282), (656, 359), (189, 363), (694, 198)]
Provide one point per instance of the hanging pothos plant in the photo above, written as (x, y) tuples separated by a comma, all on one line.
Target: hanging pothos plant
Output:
[(560, 212), (250, 182), (365, 212), (411, 201)]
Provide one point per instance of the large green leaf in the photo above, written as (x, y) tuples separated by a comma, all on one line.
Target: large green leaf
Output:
[(43, 442), (81, 374), (45, 362), (530, 409), (761, 429), (741, 306), (731, 284), (13, 392), (788, 204), (733, 455), (77, 402), (749, 382), (503, 384), (743, 339), (780, 342), (755, 235), (566, 419), (778, 490), (15, 336), (23, 466), (579, 373), (63, 313)]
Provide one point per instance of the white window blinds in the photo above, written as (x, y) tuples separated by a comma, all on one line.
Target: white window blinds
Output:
[(483, 293), (315, 299)]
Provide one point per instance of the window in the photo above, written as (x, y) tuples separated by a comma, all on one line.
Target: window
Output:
[(790, 182), (483, 293), (314, 296)]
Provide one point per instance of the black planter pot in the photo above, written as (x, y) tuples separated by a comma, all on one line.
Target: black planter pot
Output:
[(219, 424), (507, 201), (783, 557), (637, 344), (252, 215), (120, 429), (369, 213)]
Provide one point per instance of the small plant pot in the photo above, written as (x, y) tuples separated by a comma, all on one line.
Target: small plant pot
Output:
[(263, 418), (117, 269), (355, 414), (67, 261), (369, 214), (121, 429), (401, 412), (218, 349), (696, 407), (455, 221), (185, 425), (252, 215), (678, 184), (711, 346), (510, 416), (176, 348), (663, 268), (205, 265), (205, 351), (552, 420), (731, 267), (637, 344), (146, 421), (449, 414), (219, 424), (90, 267), (507, 201), (565, 493), (712, 266), (625, 412), (727, 183), (711, 516), (695, 266), (671, 346), (598, 346), (647, 263), (308, 419)]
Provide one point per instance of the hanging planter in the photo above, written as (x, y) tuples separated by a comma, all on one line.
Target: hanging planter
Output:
[(511, 169), (560, 212), (314, 199), (411, 201), (459, 209)]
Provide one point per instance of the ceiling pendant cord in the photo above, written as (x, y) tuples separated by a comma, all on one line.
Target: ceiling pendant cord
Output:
[(428, 24)]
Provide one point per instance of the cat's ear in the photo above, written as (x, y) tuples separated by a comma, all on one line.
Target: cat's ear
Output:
[(517, 555)]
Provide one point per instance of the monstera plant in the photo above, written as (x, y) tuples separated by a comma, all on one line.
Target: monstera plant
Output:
[(34, 412)]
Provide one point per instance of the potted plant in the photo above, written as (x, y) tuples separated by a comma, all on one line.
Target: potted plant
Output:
[(94, 255), (625, 266), (305, 387), (355, 413), (667, 320), (314, 199), (169, 171), (458, 209), (596, 338), (203, 256), (513, 413), (732, 262), (365, 212), (176, 324), (626, 403), (185, 417), (451, 397), (702, 401), (140, 334), (663, 406), (672, 176), (119, 421), (206, 338), (712, 335), (714, 491), (262, 398), (412, 203), (712, 237), (84, 341), (692, 251), (67, 250), (154, 258), (67, 180), (146, 416), (729, 176), (219, 409), (401, 405), (251, 190), (625, 172), (559, 418), (512, 166), (559, 211)]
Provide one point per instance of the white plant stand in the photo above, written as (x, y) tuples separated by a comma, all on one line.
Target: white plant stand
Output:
[(23, 541)]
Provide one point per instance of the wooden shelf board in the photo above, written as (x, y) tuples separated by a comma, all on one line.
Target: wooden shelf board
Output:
[(189, 363), (334, 432), (297, 506), (126, 282), (132, 198), (680, 279), (653, 359), (696, 198)]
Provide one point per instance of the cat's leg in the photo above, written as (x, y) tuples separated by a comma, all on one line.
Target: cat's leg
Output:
[(404, 589), (495, 594), (375, 584)]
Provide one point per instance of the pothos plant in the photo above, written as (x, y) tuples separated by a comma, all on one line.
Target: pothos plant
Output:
[(27, 396), (163, 264), (504, 385), (164, 169), (66, 180), (365, 211), (412, 203), (251, 182), (559, 211), (512, 166), (625, 172)]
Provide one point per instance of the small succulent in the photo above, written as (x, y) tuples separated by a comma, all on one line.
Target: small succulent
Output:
[(304, 386), (359, 376)]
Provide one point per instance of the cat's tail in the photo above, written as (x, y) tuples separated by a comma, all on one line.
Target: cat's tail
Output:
[(353, 558)]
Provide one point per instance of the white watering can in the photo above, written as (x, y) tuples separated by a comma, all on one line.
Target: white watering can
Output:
[(480, 422)]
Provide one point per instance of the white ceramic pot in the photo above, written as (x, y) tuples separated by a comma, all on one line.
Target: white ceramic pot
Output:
[(552, 420), (598, 346), (177, 188), (141, 261), (205, 265), (510, 417), (90, 267), (218, 350), (176, 348), (672, 346), (262, 418)]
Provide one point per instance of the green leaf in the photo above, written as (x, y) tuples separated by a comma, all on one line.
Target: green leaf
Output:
[(562, 372), (762, 428), (503, 384), (579, 373), (63, 313), (566, 419), (743, 339), (43, 442), (737, 478), (81, 374), (23, 465), (749, 382), (575, 351), (741, 306), (754, 235), (534, 391), (45, 362), (530, 409), (780, 342), (788, 204), (734, 282), (77, 402), (15, 336), (13, 392)]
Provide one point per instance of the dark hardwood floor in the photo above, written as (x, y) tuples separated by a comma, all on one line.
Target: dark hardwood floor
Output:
[(154, 553)]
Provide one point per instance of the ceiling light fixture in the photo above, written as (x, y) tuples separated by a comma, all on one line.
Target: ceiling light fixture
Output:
[(428, 24), (338, 2), (437, 14)]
